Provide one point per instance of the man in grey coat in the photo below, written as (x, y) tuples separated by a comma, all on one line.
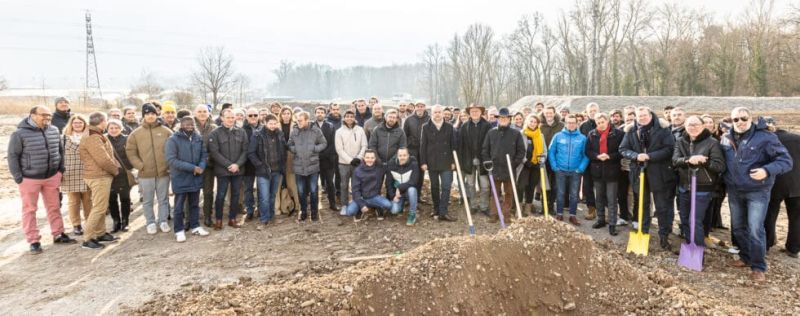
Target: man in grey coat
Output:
[(306, 143)]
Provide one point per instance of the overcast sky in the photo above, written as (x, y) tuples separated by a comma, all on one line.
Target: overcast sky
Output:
[(45, 40)]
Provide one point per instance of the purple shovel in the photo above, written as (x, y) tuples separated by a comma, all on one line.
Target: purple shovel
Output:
[(488, 165), (691, 255)]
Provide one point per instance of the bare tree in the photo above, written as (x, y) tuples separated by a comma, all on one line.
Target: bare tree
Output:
[(3, 83), (183, 97), (215, 73), (148, 84)]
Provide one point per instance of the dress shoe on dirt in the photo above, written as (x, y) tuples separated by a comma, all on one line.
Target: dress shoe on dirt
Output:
[(599, 224), (234, 223), (447, 218), (664, 243), (758, 276), (218, 225), (560, 218), (64, 239), (574, 221)]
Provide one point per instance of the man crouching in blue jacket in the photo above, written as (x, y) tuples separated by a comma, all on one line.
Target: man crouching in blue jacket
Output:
[(567, 156), (754, 157)]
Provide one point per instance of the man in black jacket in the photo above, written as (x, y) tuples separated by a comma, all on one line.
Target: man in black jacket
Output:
[(649, 144), (404, 172), (588, 184), (328, 161), (499, 142), (251, 126), (436, 157), (471, 135), (786, 190), (413, 130), (267, 153), (62, 113), (227, 147)]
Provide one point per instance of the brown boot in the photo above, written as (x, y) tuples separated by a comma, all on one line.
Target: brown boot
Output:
[(738, 263), (560, 217), (218, 225), (574, 221), (233, 223), (591, 213), (758, 276)]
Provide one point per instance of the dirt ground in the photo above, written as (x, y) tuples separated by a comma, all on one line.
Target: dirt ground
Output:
[(309, 268)]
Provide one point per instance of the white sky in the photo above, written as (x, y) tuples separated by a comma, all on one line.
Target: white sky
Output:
[(45, 40)]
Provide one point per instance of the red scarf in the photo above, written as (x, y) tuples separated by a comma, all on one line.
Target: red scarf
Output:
[(604, 140)]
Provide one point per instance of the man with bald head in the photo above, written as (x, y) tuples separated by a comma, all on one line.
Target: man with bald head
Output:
[(204, 125), (754, 158)]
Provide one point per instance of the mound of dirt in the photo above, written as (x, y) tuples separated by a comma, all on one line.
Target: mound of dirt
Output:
[(536, 266)]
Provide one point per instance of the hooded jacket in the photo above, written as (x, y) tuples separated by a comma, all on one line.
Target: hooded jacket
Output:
[(413, 129), (499, 142), (437, 146), (659, 172), (350, 143), (228, 146), (185, 152), (707, 173), (404, 176), (567, 152), (98, 155), (267, 152), (145, 149), (611, 169), (470, 145), (33, 152), (386, 140), (757, 148), (366, 182), (306, 144)]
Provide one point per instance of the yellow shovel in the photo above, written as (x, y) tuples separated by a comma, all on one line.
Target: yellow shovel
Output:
[(543, 174), (639, 243)]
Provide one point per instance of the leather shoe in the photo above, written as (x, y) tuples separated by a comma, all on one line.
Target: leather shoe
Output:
[(218, 225), (574, 221), (233, 223)]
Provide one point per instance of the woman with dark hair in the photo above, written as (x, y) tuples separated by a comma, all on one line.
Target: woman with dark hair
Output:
[(289, 182)]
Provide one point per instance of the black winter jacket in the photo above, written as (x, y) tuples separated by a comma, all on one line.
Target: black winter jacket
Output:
[(267, 152), (437, 145), (609, 170), (404, 176), (708, 174), (659, 172), (502, 141), (788, 184), (227, 146), (470, 145), (413, 129)]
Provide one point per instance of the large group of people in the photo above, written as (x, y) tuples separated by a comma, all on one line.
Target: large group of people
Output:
[(371, 160)]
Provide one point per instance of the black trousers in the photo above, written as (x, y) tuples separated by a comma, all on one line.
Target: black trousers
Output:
[(119, 206), (415, 152), (326, 176), (623, 185), (793, 213)]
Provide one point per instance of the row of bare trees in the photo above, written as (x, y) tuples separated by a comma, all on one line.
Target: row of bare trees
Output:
[(620, 47)]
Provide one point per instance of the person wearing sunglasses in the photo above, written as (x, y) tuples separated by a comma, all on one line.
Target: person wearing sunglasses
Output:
[(754, 158), (252, 124)]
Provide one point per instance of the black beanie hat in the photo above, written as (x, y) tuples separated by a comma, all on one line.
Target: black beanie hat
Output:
[(148, 108)]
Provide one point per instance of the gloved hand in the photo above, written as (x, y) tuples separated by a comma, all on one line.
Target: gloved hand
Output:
[(488, 165), (529, 164), (355, 162), (476, 162)]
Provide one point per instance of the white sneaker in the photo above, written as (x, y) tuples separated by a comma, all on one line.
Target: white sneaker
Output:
[(165, 227), (180, 236), (635, 225), (621, 222), (151, 229), (199, 231), (733, 250), (344, 211)]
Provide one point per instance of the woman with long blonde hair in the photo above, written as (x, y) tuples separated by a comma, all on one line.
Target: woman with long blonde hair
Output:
[(286, 119), (72, 182), (529, 175)]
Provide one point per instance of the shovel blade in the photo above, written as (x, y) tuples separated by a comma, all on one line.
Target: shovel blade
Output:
[(639, 243), (691, 257)]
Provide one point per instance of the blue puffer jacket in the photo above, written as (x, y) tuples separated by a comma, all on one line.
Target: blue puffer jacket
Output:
[(184, 152), (567, 152), (758, 148)]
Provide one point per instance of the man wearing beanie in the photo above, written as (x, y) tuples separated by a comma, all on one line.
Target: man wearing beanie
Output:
[(62, 114), (145, 149)]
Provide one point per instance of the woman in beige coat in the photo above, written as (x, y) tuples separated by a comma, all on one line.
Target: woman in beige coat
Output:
[(72, 183)]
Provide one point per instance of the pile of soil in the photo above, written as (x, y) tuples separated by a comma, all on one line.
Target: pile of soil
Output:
[(536, 266)]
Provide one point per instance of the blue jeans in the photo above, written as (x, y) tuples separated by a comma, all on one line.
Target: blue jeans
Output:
[(377, 201), (249, 200), (567, 180), (440, 190), (748, 210), (235, 183), (411, 196), (702, 200), (193, 199), (307, 185), (267, 188)]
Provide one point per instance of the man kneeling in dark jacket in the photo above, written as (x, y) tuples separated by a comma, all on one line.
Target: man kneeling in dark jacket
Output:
[(366, 187), (404, 175)]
